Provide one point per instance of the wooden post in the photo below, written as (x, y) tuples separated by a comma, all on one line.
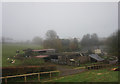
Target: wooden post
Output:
[(5, 80), (38, 76), (86, 67), (50, 75), (58, 73), (25, 78)]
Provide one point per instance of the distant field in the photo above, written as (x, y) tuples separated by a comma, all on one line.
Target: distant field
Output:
[(9, 50), (103, 75)]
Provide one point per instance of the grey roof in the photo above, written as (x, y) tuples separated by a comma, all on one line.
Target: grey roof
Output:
[(95, 56)]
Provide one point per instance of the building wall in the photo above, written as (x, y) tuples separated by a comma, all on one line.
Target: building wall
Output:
[(78, 60), (50, 51), (83, 59), (65, 59), (97, 51)]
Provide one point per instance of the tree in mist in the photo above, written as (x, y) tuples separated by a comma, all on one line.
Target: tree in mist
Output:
[(94, 40), (52, 40), (3, 39), (6, 40), (65, 44), (113, 43), (51, 35), (85, 40), (74, 45), (37, 40), (90, 40)]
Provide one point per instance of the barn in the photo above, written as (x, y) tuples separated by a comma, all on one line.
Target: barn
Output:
[(95, 58)]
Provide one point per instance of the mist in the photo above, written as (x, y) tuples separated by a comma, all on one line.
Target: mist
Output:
[(24, 20)]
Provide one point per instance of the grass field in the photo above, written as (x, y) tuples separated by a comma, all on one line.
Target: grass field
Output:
[(103, 75), (9, 51)]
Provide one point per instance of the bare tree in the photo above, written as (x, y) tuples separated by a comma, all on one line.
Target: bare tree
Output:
[(113, 43)]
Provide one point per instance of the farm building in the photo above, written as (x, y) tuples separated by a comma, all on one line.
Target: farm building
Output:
[(45, 51), (37, 53), (77, 60), (71, 59), (97, 51), (95, 58)]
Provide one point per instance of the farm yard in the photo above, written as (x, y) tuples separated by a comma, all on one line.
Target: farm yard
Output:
[(59, 42), (67, 73)]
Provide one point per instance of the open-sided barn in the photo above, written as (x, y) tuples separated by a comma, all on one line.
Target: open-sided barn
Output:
[(95, 58), (74, 58)]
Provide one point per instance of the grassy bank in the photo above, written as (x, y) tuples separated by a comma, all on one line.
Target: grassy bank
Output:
[(103, 75), (9, 51)]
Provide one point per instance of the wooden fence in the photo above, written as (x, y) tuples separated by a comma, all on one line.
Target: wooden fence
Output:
[(25, 75), (98, 66)]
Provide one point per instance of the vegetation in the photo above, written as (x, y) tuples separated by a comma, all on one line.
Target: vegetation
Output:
[(9, 51), (53, 41), (113, 43), (33, 61), (37, 40), (90, 40), (103, 75)]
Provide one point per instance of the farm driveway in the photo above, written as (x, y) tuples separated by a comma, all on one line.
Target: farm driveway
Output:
[(64, 71)]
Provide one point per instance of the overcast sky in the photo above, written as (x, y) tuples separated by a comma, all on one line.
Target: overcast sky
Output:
[(23, 21)]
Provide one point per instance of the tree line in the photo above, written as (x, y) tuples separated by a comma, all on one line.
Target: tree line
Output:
[(88, 41), (52, 40)]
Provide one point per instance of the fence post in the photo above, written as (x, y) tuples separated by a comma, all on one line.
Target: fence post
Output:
[(38, 76), (86, 67), (50, 75), (25, 78), (58, 73), (5, 80)]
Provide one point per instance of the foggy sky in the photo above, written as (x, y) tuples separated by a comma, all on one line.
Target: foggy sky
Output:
[(23, 21)]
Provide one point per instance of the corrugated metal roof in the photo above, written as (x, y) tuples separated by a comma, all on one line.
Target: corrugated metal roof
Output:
[(95, 56), (44, 50), (41, 56)]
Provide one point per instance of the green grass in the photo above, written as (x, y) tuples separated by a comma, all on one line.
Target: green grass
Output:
[(34, 78), (103, 75), (33, 61), (9, 51)]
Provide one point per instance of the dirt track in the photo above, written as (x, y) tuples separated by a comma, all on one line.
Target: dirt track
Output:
[(69, 71)]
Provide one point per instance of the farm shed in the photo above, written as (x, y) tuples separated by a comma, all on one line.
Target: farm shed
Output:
[(41, 56), (77, 60), (113, 62), (45, 51), (52, 57), (95, 58), (74, 59), (31, 52), (97, 51)]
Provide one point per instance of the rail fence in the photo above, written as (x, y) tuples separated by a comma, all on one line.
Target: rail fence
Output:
[(26, 75), (99, 66)]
